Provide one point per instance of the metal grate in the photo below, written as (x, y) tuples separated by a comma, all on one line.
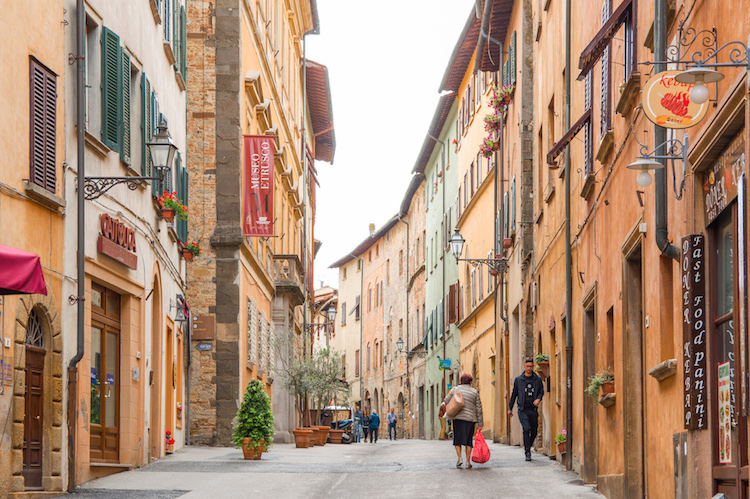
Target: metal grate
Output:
[(34, 334)]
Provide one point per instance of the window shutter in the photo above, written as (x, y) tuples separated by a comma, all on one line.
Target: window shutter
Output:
[(605, 107), (271, 358), (183, 44), (480, 285), (452, 303), (166, 19), (111, 89), (43, 126), (512, 58), (156, 185), (506, 216), (252, 327), (185, 199), (513, 204), (588, 153), (145, 125), (169, 185), (176, 32), (125, 141)]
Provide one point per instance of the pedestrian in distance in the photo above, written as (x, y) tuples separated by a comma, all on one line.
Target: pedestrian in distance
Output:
[(357, 424), (529, 390), (391, 419), (470, 415), (365, 426), (374, 425)]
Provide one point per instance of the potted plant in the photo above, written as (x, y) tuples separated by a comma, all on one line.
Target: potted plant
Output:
[(502, 95), (604, 380), (542, 363), (561, 439), (172, 207), (169, 441), (191, 250), (254, 429), (488, 147), (302, 437), (179, 410)]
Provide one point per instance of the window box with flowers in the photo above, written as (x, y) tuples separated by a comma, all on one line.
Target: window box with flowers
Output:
[(191, 250), (172, 207), (561, 439), (169, 441), (179, 410)]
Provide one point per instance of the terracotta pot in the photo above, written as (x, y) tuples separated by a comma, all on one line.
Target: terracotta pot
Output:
[(167, 214), (312, 438), (496, 145), (507, 242), (336, 436), (251, 452), (169, 449), (562, 447), (543, 367), (322, 434), (302, 438), (608, 387), (187, 254)]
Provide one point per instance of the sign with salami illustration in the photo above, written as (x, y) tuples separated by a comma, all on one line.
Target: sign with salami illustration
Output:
[(725, 415), (667, 103), (257, 189)]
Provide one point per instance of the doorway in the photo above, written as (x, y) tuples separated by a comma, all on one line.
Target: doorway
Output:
[(33, 402), (105, 368), (155, 435), (590, 428), (632, 383), (420, 411)]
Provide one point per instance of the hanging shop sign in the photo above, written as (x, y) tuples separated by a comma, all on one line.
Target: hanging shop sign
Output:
[(117, 241), (667, 103), (725, 414), (694, 331), (445, 364), (257, 189), (720, 180)]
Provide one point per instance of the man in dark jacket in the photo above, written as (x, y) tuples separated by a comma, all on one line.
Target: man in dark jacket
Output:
[(529, 390), (374, 425)]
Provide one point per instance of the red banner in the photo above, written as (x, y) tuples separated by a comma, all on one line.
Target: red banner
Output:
[(257, 190)]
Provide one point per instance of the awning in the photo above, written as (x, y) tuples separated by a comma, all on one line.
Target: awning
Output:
[(565, 140), (595, 48), (20, 272)]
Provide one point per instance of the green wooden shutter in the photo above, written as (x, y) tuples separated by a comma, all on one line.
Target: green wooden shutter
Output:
[(183, 44), (145, 125), (176, 32), (156, 185), (111, 89), (125, 142), (513, 205), (184, 183), (512, 58)]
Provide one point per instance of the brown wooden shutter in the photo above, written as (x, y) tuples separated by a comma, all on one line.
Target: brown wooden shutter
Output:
[(43, 126), (452, 304)]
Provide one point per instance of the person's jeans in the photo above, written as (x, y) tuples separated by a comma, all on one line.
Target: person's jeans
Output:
[(392, 426), (357, 432), (373, 434), (529, 419)]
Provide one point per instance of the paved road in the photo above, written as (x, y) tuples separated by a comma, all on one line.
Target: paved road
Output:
[(407, 468)]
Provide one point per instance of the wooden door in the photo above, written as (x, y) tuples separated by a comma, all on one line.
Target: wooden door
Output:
[(32, 436)]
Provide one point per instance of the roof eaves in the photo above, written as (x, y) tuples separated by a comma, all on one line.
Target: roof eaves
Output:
[(459, 61), (366, 244)]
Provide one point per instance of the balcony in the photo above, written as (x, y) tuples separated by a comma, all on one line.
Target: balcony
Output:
[(288, 278)]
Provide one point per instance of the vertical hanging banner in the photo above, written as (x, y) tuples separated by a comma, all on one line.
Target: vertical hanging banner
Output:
[(694, 332), (257, 189)]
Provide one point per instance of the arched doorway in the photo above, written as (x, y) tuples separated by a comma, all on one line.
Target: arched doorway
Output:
[(377, 402), (155, 434), (401, 416), (368, 404), (33, 402)]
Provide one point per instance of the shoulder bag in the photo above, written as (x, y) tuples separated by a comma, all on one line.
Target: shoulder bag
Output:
[(454, 406)]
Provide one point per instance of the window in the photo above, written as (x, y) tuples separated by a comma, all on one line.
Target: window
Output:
[(588, 153), (43, 126), (471, 176), (509, 68), (357, 313), (388, 271), (401, 260), (606, 78), (377, 250), (473, 288), (513, 205), (343, 314), (489, 276), (343, 274), (369, 298), (368, 356), (369, 256), (466, 189), (359, 264), (629, 51), (34, 334), (356, 363), (480, 285)]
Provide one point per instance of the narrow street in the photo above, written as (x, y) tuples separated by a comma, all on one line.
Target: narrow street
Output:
[(407, 468)]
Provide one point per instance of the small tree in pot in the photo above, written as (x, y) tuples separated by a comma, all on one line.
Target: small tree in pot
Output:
[(253, 431)]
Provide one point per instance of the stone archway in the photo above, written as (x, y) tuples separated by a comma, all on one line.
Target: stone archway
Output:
[(46, 310)]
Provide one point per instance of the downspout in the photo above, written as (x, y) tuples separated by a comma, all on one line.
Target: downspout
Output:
[(361, 322), (483, 34), (80, 261), (568, 256), (408, 348), (304, 183), (442, 250), (660, 136)]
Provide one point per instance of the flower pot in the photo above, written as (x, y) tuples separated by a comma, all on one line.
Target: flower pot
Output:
[(506, 99), (251, 451), (507, 242), (608, 387), (543, 367), (496, 145), (302, 438), (562, 447), (167, 214), (187, 254), (311, 438), (321, 434), (336, 436), (169, 449)]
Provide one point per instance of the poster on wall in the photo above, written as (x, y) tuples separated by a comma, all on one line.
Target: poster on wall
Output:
[(257, 189), (725, 415), (666, 102), (693, 332)]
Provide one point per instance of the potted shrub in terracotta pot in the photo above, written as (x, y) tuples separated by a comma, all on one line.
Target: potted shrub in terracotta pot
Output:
[(561, 439), (302, 437), (336, 436), (253, 431), (542, 362), (604, 380)]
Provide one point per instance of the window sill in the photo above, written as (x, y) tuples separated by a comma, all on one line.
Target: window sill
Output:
[(664, 370), (180, 81), (629, 94), (588, 186), (538, 216), (96, 145), (606, 146), (155, 11), (549, 192), (43, 195), (538, 33), (168, 52)]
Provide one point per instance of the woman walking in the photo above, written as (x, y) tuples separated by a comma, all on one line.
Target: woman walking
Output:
[(467, 417), (366, 425)]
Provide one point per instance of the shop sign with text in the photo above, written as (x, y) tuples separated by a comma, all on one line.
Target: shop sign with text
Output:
[(117, 241), (720, 180), (257, 189), (667, 103), (694, 332)]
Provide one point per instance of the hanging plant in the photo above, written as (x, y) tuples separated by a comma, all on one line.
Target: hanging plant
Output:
[(493, 121), (170, 202), (501, 96), (489, 146)]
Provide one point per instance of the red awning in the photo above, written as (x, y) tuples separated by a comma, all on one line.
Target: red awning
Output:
[(20, 272)]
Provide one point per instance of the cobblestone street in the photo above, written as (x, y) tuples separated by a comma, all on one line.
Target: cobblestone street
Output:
[(407, 468)]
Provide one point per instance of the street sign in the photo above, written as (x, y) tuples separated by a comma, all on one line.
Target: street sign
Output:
[(667, 103), (204, 346), (445, 364)]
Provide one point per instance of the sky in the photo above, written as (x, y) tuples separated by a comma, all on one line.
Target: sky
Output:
[(385, 63)]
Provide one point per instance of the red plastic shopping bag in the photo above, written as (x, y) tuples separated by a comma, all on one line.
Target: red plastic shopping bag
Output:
[(481, 452)]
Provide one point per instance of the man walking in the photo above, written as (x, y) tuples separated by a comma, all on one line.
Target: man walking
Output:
[(357, 424), (529, 390), (391, 419), (374, 424)]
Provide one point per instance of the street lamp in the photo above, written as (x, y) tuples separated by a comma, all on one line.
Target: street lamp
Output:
[(162, 150), (496, 265), (331, 312), (699, 76), (647, 161), (400, 346)]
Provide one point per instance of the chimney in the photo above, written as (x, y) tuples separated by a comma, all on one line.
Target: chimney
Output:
[(372, 230)]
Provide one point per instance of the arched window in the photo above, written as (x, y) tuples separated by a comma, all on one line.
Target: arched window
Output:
[(34, 336)]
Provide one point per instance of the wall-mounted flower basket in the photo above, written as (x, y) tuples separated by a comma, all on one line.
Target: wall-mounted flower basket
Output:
[(191, 250), (562, 447), (543, 368), (187, 254), (171, 203), (167, 214), (507, 242)]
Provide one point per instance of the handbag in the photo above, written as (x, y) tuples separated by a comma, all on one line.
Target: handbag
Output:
[(481, 452), (454, 406)]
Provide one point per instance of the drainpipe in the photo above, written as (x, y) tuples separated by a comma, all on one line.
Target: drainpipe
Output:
[(361, 322), (408, 348), (483, 34), (81, 275), (660, 136), (304, 184), (568, 256)]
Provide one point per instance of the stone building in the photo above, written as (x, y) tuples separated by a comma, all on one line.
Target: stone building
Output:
[(249, 77)]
